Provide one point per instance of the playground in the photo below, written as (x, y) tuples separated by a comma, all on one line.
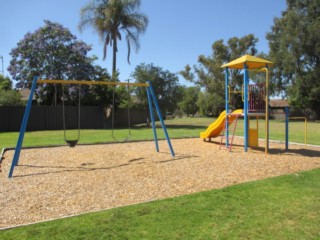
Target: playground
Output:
[(62, 181)]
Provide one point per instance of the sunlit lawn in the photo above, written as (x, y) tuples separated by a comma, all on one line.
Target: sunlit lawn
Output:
[(277, 208), (284, 207), (177, 128)]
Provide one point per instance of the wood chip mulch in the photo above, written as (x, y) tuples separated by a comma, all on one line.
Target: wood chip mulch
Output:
[(62, 181)]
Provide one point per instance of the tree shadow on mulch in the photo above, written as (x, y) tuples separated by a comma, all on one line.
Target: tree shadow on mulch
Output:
[(89, 166), (218, 143), (177, 158), (303, 152), (82, 168)]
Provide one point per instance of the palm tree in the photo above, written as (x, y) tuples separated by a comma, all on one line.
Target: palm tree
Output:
[(110, 19)]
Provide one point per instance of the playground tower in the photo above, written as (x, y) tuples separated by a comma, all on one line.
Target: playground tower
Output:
[(248, 62)]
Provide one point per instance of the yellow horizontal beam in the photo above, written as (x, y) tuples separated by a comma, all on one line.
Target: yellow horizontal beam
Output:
[(85, 82)]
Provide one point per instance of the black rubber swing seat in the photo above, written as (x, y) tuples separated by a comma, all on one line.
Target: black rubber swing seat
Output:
[(72, 143)]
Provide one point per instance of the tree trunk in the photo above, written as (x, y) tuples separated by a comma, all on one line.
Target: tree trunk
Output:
[(114, 58)]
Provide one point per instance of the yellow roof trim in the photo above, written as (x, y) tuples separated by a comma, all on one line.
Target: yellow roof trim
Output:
[(251, 62)]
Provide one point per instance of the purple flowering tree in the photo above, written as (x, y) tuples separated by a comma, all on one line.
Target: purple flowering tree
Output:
[(51, 52)]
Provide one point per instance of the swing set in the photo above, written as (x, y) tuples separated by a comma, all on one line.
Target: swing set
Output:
[(73, 142), (152, 103)]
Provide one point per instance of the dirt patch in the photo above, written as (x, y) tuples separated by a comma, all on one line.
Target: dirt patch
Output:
[(63, 181)]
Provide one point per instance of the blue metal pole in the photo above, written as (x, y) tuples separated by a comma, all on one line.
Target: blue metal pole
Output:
[(23, 127), (267, 108), (246, 85), (227, 104), (286, 109), (152, 118), (160, 117)]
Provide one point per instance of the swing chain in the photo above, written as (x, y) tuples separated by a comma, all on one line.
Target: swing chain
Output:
[(113, 114), (73, 142)]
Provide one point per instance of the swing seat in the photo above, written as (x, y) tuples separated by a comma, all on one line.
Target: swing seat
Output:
[(72, 143)]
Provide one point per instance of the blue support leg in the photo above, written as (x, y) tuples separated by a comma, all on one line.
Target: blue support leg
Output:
[(23, 127), (160, 117), (246, 130), (152, 119), (227, 105)]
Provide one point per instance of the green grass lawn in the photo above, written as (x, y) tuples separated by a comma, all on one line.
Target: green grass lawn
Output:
[(177, 128), (285, 207)]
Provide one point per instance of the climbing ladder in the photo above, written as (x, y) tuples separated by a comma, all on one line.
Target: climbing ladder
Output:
[(229, 133)]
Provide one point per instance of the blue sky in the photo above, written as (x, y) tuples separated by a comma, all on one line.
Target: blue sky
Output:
[(179, 30)]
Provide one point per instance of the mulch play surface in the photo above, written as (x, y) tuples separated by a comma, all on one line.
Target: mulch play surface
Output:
[(62, 181)]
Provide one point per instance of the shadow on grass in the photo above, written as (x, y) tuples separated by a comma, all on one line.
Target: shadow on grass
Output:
[(201, 128), (173, 126)]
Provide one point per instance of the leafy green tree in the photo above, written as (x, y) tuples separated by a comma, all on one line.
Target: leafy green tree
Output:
[(111, 18), (164, 83), (5, 83), (51, 52), (8, 96), (98, 95), (189, 101), (294, 43), (210, 104), (209, 75)]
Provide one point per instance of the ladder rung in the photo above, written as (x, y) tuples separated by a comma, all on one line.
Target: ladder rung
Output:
[(230, 135)]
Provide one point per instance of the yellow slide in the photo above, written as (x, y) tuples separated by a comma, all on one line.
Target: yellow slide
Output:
[(217, 126)]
